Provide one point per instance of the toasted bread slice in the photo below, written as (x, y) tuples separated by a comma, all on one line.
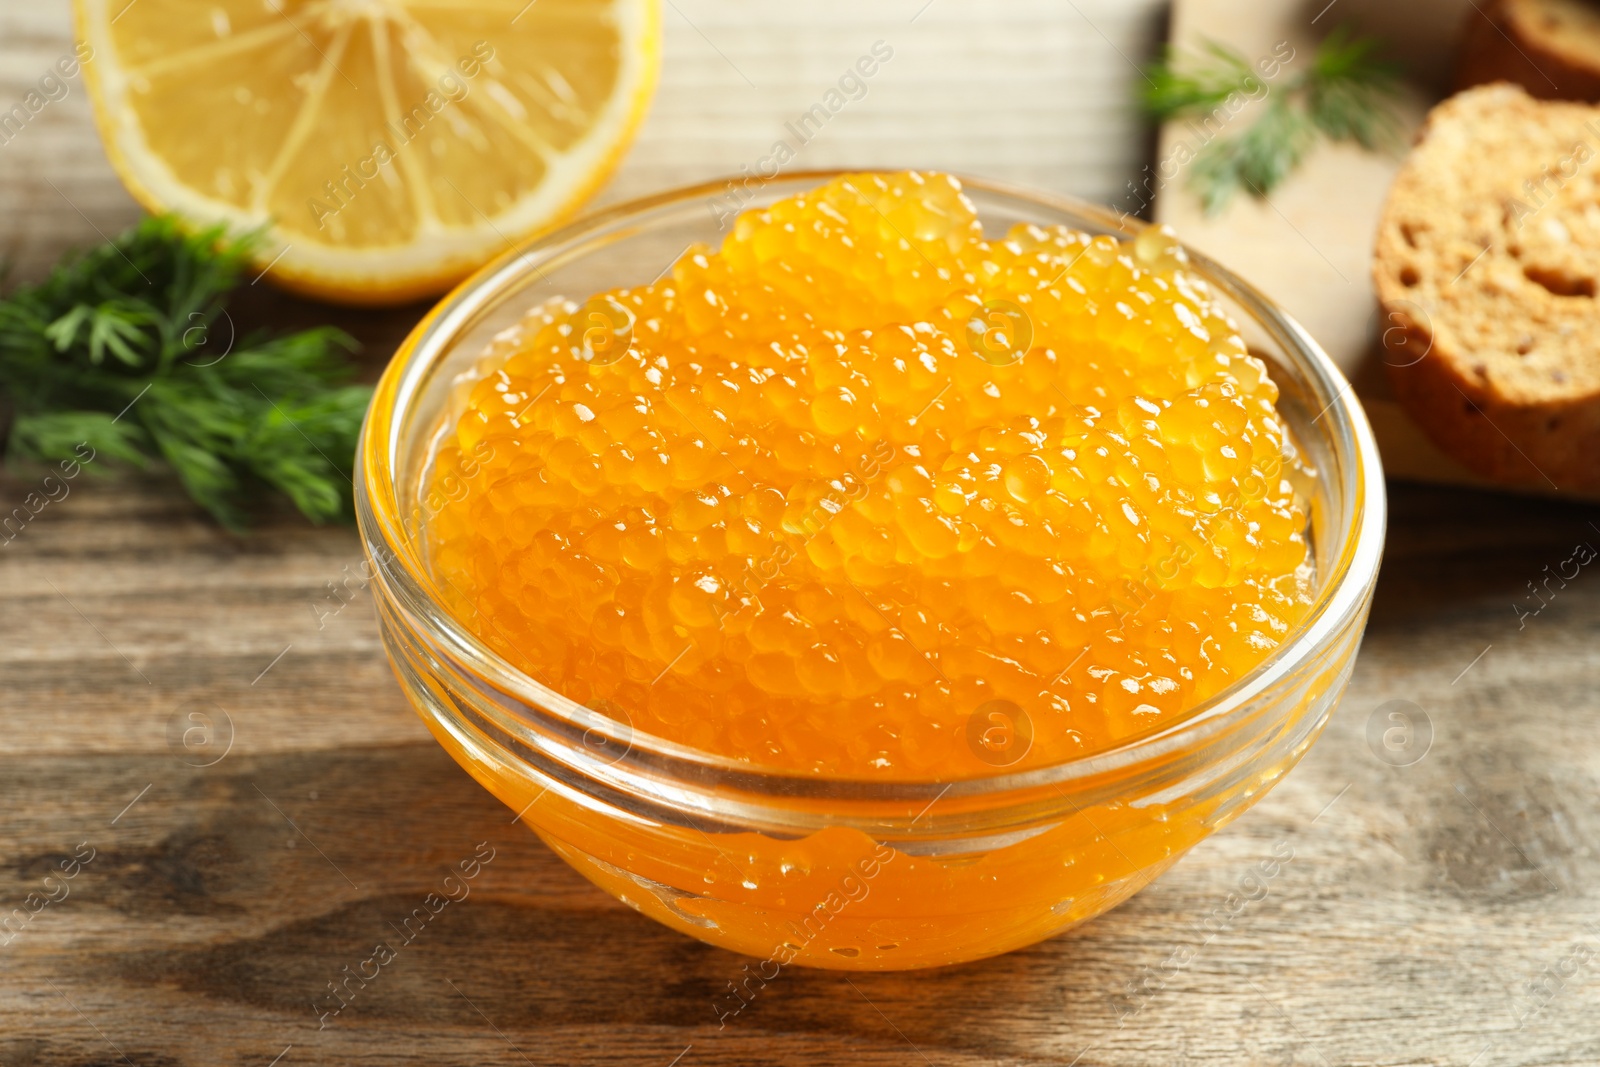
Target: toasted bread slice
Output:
[(1549, 47), (1488, 266)]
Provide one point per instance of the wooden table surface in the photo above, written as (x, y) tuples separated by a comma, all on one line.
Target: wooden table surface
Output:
[(1439, 905)]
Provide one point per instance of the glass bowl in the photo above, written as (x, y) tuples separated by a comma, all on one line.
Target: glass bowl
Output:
[(841, 873)]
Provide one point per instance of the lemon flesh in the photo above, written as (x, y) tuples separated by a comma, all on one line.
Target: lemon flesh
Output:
[(387, 147)]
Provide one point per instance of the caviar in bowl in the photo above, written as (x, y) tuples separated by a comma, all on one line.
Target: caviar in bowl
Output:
[(751, 660)]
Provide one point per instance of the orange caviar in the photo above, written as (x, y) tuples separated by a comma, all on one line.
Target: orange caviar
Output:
[(863, 493)]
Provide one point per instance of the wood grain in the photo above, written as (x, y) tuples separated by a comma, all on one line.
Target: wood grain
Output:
[(1444, 912), (1309, 245), (1418, 905)]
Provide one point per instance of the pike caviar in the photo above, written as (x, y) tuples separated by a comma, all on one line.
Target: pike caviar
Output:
[(863, 493)]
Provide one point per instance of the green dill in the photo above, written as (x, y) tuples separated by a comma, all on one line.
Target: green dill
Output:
[(127, 350), (1347, 94)]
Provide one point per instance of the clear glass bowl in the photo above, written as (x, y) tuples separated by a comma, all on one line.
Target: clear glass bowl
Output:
[(851, 874)]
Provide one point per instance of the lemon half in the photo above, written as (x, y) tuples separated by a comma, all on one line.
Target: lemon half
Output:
[(386, 147)]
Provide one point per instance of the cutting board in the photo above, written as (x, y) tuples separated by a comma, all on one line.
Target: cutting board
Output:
[(1309, 245), (1439, 907)]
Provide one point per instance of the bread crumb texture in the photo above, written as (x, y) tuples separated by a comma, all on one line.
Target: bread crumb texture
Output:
[(1488, 267), (1549, 47)]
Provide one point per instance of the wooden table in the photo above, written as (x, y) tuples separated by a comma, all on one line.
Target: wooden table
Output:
[(1439, 906)]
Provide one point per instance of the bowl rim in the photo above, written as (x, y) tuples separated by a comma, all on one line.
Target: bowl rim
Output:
[(1353, 569)]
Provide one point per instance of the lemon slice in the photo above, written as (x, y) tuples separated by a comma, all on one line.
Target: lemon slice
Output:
[(387, 147)]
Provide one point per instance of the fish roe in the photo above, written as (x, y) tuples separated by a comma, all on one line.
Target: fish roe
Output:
[(864, 493)]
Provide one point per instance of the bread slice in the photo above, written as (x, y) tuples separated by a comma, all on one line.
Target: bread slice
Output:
[(1549, 47), (1488, 267)]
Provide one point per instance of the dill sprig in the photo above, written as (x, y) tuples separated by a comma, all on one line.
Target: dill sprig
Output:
[(127, 349), (1347, 94)]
